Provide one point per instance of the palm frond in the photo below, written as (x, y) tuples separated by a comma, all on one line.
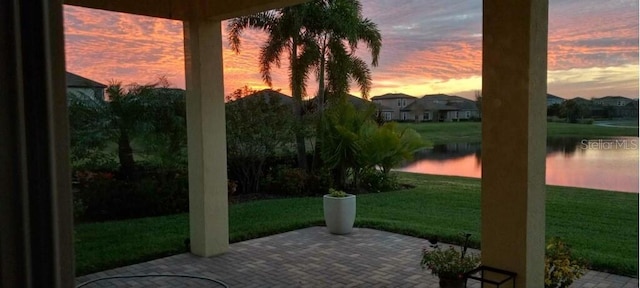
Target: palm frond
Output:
[(361, 74), (262, 21)]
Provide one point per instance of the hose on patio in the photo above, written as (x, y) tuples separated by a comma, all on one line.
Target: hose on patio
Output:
[(154, 275)]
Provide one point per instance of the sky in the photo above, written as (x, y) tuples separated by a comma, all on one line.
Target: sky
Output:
[(428, 47)]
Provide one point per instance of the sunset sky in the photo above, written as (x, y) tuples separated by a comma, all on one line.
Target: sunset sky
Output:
[(428, 47)]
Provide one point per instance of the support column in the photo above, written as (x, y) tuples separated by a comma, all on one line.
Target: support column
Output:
[(514, 75), (208, 206)]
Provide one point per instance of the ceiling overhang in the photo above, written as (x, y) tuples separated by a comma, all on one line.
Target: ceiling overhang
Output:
[(185, 9)]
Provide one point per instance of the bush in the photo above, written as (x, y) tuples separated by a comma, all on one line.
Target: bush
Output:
[(373, 180), (100, 196), (289, 181), (258, 127), (555, 119), (560, 267), (585, 121)]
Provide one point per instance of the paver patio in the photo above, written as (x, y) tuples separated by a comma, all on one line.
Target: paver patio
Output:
[(310, 257)]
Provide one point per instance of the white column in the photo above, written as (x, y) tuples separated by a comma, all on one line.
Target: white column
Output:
[(514, 137), (208, 206)]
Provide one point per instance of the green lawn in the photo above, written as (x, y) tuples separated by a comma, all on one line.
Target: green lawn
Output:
[(471, 132), (602, 226)]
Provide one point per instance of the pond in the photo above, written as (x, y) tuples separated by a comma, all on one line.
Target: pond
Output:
[(608, 164)]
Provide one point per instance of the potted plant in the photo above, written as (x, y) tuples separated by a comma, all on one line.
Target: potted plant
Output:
[(339, 211), (449, 264), (560, 267)]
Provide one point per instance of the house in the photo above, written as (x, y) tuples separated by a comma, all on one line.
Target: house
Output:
[(310, 105), (268, 95), (357, 102), (79, 85), (553, 99), (440, 108), (610, 107), (630, 110), (613, 107), (447, 108), (612, 101), (391, 105)]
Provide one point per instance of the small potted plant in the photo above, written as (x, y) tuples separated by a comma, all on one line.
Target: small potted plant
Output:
[(560, 267), (449, 264), (339, 211)]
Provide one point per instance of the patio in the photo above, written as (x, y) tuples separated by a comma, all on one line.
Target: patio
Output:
[(309, 257)]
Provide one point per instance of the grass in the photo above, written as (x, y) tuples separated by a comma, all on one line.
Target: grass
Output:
[(471, 132), (601, 226)]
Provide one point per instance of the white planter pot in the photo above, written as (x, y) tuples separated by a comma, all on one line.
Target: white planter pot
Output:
[(339, 213)]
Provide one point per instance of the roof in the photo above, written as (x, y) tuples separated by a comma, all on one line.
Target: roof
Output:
[(75, 80), (268, 94), (580, 99), (613, 98), (357, 101), (551, 96), (422, 104), (442, 102), (393, 96)]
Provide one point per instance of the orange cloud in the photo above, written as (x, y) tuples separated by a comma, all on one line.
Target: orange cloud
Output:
[(428, 47)]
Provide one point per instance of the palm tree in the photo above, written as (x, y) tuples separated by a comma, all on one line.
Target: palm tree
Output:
[(315, 35), (287, 34), (340, 28), (95, 121)]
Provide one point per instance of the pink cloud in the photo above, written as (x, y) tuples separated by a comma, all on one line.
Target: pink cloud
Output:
[(422, 41)]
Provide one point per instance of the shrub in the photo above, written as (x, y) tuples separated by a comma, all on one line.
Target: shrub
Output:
[(585, 121), (560, 267), (101, 197), (352, 143), (449, 263), (258, 127), (373, 180), (296, 182)]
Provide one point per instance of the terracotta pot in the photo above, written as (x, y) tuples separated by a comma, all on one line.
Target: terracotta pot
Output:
[(452, 282)]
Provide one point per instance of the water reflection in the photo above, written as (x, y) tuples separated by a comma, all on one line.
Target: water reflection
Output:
[(609, 164)]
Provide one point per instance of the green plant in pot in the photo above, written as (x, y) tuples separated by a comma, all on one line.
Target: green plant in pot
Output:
[(449, 264), (561, 268), (339, 211)]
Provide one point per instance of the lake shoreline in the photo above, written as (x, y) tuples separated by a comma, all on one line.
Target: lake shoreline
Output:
[(609, 164)]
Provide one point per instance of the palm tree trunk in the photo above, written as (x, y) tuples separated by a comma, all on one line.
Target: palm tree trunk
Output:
[(125, 155), (297, 108), (321, 89)]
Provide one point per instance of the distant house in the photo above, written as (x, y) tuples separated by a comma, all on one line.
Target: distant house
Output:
[(269, 94), (630, 110), (609, 107), (310, 105), (392, 105), (581, 100), (613, 107), (553, 99), (441, 108), (386, 112), (612, 101), (81, 86), (359, 103)]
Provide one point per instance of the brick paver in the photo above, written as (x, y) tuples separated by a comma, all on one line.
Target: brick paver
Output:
[(310, 257)]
